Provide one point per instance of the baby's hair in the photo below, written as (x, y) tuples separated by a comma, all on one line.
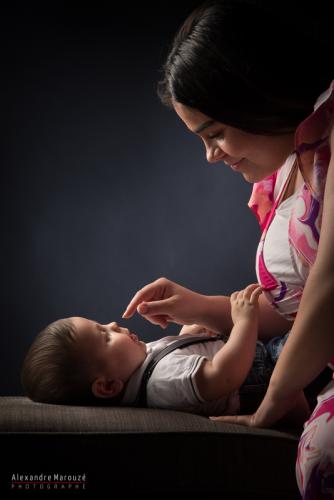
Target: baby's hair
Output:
[(54, 370)]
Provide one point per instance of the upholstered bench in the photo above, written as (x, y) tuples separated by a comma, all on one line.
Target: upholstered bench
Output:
[(118, 452)]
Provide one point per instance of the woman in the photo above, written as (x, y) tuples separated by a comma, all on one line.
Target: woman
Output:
[(271, 119)]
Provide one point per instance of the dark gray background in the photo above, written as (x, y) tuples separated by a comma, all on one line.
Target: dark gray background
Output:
[(103, 189)]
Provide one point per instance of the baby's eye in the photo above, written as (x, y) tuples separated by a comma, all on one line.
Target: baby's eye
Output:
[(106, 335)]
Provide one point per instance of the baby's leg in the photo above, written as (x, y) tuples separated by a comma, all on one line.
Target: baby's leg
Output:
[(274, 347), (256, 383)]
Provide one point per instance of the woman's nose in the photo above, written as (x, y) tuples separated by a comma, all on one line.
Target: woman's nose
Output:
[(214, 154)]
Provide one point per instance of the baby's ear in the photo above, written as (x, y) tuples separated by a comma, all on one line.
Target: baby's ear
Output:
[(104, 388)]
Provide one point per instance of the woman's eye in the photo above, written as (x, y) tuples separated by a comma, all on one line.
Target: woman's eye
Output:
[(215, 135)]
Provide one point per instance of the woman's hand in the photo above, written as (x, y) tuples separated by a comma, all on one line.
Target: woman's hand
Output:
[(194, 329), (296, 413), (247, 420), (164, 301)]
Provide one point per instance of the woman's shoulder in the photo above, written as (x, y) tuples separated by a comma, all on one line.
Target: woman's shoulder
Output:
[(314, 142)]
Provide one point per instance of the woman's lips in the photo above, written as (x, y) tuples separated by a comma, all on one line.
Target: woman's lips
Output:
[(235, 166)]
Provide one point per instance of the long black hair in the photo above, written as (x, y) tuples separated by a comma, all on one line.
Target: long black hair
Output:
[(247, 66)]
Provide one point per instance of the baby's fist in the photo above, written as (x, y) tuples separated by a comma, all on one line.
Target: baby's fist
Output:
[(244, 304)]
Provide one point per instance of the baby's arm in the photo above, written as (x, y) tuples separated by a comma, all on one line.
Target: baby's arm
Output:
[(231, 364)]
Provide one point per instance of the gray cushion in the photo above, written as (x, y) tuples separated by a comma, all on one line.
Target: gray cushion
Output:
[(177, 451)]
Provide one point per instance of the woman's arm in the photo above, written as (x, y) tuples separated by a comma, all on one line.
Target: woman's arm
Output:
[(271, 323), (164, 301), (311, 342)]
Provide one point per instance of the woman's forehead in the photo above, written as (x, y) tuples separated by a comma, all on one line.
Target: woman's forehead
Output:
[(195, 120)]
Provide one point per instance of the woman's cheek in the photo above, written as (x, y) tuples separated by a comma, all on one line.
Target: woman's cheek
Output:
[(230, 149)]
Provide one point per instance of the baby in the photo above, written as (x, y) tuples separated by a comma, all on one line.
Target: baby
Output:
[(80, 361)]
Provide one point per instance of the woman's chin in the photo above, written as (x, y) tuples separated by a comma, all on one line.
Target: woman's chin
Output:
[(253, 177), (249, 177), (252, 172)]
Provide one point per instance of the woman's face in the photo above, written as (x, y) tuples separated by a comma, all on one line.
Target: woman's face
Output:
[(254, 156)]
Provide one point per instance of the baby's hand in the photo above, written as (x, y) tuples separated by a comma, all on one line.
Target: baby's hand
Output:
[(244, 304)]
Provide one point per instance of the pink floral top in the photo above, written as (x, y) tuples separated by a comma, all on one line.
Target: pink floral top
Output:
[(312, 153)]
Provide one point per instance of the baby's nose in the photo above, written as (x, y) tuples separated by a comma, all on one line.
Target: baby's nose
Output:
[(113, 325)]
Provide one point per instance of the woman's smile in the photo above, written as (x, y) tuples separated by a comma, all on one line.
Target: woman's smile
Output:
[(235, 166)]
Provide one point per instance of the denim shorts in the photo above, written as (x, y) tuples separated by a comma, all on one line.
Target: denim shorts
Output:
[(256, 383)]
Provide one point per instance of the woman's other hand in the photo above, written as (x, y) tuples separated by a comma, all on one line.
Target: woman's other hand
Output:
[(298, 411), (247, 420)]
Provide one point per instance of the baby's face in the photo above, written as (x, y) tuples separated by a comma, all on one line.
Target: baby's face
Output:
[(115, 351)]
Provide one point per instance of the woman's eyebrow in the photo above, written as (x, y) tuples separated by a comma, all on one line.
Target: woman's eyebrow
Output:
[(204, 126)]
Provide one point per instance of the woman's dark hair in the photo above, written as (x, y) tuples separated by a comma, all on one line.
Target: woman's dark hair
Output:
[(246, 65)]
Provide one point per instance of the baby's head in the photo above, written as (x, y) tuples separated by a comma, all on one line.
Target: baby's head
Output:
[(79, 361)]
